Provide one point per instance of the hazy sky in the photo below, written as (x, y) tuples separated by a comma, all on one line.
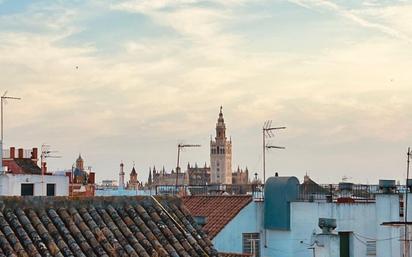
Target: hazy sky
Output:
[(153, 73)]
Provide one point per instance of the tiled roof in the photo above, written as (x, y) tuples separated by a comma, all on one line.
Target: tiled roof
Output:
[(99, 226), (235, 255), (28, 166), (218, 210)]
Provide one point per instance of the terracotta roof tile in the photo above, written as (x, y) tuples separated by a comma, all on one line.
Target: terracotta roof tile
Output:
[(100, 226), (235, 255), (218, 210)]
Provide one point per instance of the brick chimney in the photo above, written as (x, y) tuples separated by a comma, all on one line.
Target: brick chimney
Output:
[(12, 152), (21, 151), (44, 168), (34, 153)]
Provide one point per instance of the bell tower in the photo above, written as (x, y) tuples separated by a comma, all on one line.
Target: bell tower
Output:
[(221, 154)]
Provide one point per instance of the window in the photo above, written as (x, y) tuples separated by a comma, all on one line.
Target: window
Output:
[(371, 248), (27, 189), (251, 243), (344, 244), (51, 189)]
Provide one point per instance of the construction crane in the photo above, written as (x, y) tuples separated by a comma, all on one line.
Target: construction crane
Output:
[(179, 147)]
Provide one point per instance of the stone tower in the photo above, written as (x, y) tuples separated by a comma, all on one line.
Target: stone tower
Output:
[(80, 163), (221, 155), (121, 176)]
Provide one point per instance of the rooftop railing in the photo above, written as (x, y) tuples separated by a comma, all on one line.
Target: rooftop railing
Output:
[(341, 193), (223, 189)]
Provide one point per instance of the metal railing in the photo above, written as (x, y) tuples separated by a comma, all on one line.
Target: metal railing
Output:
[(344, 192), (224, 189), (341, 193)]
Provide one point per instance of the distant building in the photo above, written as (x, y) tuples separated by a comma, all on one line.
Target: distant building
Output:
[(221, 154), (167, 178), (23, 177), (133, 183), (240, 177), (82, 181), (198, 175), (108, 183)]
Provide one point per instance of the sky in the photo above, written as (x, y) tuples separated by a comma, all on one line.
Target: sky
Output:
[(129, 80)]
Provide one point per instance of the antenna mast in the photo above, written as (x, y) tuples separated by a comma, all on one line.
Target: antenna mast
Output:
[(268, 132), (45, 153), (4, 97)]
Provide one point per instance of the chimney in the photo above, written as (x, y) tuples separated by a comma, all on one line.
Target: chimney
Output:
[(44, 168), (34, 153), (12, 152), (21, 152)]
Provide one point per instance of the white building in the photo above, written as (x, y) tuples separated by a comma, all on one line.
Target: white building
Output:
[(23, 177), (285, 223), (33, 185), (221, 154)]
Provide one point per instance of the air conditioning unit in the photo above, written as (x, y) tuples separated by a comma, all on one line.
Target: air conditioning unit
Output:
[(327, 225)]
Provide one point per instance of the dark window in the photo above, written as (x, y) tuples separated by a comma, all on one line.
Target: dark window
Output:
[(344, 244), (27, 189), (251, 244), (51, 189)]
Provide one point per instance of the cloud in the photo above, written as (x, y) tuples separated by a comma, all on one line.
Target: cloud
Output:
[(135, 103), (352, 16)]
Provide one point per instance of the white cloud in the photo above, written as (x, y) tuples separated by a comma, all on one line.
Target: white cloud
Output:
[(354, 17), (159, 89)]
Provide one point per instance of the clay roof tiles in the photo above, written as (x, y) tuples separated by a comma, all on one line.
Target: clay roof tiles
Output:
[(97, 226), (218, 210)]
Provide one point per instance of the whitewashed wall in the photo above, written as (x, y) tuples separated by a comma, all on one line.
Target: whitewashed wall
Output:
[(249, 220), (11, 184), (364, 219)]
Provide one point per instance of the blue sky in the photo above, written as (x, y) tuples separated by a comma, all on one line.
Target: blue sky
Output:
[(153, 73)]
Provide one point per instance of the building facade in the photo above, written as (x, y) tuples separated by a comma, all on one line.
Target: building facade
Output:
[(133, 183), (198, 176), (286, 224), (221, 154), (240, 177), (23, 177), (82, 181)]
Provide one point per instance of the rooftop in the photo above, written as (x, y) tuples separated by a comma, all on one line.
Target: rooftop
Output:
[(97, 226), (218, 210)]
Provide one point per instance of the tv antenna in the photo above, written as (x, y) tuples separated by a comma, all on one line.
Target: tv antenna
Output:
[(268, 132), (45, 154), (4, 99)]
